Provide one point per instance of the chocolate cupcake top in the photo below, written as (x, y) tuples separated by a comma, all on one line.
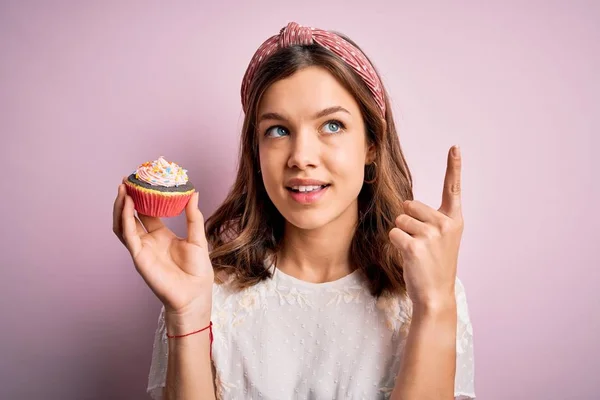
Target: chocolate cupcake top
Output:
[(161, 173)]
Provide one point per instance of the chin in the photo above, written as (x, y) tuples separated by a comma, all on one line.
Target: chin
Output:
[(307, 219)]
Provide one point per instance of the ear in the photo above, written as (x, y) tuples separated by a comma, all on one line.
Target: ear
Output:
[(371, 154)]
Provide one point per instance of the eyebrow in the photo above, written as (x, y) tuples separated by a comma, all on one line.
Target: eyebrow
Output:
[(320, 114)]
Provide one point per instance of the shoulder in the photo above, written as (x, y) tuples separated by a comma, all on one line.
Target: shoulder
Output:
[(459, 286), (227, 288), (224, 284), (398, 308), (462, 306)]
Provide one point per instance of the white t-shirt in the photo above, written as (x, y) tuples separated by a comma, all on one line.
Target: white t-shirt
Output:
[(285, 338)]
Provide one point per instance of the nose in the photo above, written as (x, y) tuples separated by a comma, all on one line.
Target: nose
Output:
[(304, 151)]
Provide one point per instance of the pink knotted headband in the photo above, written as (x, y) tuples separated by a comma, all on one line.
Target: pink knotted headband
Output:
[(294, 34)]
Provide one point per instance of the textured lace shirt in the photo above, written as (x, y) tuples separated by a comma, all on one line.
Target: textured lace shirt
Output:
[(285, 338)]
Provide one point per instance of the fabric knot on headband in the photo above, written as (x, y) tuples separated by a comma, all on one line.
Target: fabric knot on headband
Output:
[(294, 34)]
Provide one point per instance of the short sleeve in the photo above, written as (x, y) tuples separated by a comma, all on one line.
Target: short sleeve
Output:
[(158, 368), (464, 384)]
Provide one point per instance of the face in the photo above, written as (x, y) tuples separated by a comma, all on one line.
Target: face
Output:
[(313, 149)]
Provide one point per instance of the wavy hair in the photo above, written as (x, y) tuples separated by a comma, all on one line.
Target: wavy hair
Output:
[(247, 229)]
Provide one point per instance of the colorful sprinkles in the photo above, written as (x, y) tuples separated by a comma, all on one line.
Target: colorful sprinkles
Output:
[(161, 172)]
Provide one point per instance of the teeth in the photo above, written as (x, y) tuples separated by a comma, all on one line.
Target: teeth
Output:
[(306, 188)]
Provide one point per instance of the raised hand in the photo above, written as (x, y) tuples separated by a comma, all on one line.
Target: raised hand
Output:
[(178, 270), (429, 241)]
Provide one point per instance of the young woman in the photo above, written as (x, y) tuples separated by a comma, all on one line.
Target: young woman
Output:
[(324, 278)]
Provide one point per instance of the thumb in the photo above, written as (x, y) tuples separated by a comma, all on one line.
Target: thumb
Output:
[(451, 195), (195, 222)]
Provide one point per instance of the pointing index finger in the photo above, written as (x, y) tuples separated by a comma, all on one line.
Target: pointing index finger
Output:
[(451, 196)]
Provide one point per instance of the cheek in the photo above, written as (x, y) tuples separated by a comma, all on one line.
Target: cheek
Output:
[(347, 166), (272, 167)]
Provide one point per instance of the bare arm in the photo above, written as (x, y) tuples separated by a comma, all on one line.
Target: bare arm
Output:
[(179, 272), (189, 369), (428, 366), (429, 242)]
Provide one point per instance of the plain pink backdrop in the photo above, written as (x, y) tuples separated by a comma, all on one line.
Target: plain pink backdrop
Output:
[(90, 89)]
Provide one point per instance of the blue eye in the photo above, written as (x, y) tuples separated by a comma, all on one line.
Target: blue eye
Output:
[(334, 126), (276, 131)]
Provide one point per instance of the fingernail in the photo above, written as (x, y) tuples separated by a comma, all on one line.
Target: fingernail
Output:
[(456, 151)]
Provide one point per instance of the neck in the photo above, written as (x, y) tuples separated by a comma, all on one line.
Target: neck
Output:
[(322, 254)]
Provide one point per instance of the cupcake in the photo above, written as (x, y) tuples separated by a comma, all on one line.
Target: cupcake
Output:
[(159, 188)]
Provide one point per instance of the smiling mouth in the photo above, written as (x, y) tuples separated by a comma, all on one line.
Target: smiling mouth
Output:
[(306, 189)]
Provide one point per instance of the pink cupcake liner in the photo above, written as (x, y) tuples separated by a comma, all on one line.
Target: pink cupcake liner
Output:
[(157, 205)]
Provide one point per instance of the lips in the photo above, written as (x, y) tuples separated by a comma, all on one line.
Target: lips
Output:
[(308, 196), (306, 191), (305, 185)]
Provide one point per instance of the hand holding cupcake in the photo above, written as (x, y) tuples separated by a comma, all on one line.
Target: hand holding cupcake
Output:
[(178, 270)]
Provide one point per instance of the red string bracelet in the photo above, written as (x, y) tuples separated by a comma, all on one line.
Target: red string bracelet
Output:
[(210, 335)]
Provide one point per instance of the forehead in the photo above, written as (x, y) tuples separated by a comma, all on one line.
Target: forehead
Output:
[(307, 91)]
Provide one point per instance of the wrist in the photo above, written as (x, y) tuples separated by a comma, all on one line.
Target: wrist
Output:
[(437, 308), (436, 321), (178, 323)]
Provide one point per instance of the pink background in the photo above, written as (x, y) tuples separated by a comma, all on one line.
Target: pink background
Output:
[(89, 91)]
